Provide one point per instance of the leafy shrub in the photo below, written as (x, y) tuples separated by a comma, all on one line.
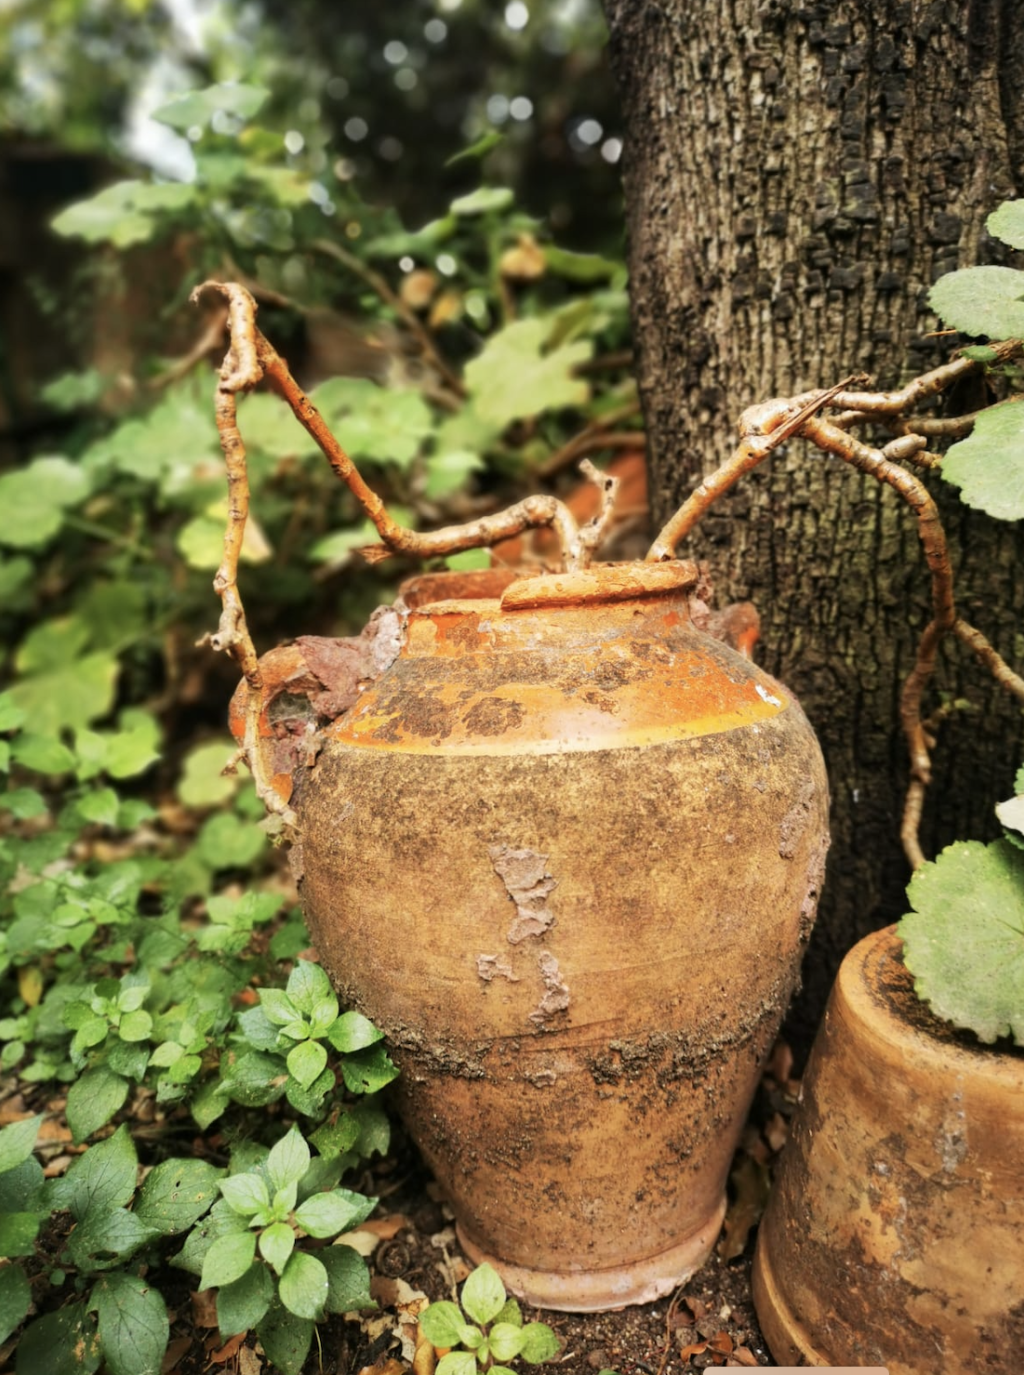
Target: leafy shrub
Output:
[(494, 1334)]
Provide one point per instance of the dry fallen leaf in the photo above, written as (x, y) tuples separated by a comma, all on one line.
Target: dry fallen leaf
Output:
[(362, 1241), (178, 1348), (750, 1181), (228, 1350), (248, 1362), (425, 1359), (204, 1308), (386, 1365), (744, 1356), (386, 1227), (696, 1349), (776, 1131)]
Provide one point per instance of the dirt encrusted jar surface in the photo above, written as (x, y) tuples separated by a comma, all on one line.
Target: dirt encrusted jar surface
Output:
[(566, 852)]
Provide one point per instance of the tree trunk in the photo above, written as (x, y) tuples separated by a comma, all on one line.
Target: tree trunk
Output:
[(796, 177)]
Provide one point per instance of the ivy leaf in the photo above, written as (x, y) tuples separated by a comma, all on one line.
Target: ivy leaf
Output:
[(123, 214), (35, 498), (203, 781), (241, 1305), (448, 471), (1007, 223), (303, 1287), (71, 696), (981, 300), (15, 1299), (964, 943), (176, 1193), (348, 1280), (197, 108), (227, 841), (483, 1294), (104, 1177), (988, 466), (133, 1325), (42, 754), (381, 424), (92, 1101), (288, 1160), (325, 1215), (285, 1339), (228, 1259), (514, 377), (17, 1142)]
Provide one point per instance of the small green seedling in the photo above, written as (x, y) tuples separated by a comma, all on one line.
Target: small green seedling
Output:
[(499, 1334)]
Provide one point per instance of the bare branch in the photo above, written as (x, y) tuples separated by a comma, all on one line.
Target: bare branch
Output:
[(596, 528), (181, 367)]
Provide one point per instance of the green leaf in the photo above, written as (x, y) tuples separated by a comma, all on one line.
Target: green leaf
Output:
[(276, 1245), (134, 746), (981, 300), (133, 1326), (203, 784), (442, 1323), (988, 466), (18, 1232), (335, 1139), (71, 696), (288, 1160), (23, 803), (61, 1343), (457, 1363), (307, 1061), (539, 1343), (474, 1339), (581, 267), (35, 498), (448, 472), (135, 1026), (285, 1339), (123, 214), (241, 1305), (1006, 222), (367, 1071), (506, 1340), (325, 1215), (197, 108), (228, 1259), (106, 1237), (964, 943), (307, 986), (352, 1031), (254, 1079), (176, 1193), (374, 1129), (92, 1101), (514, 377), (227, 841), (220, 1221), (303, 1287), (22, 1187), (469, 559), (11, 716), (100, 807), (980, 353), (479, 149), (483, 1294), (1011, 813), (17, 1142), (510, 1313), (485, 200), (245, 1193), (103, 1177), (381, 424), (42, 754), (348, 1279), (15, 1299)]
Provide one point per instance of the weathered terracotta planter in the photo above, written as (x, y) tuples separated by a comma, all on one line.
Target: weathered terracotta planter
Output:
[(566, 853), (894, 1235)]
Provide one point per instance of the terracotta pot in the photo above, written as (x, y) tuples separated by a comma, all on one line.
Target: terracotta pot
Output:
[(894, 1235), (566, 853)]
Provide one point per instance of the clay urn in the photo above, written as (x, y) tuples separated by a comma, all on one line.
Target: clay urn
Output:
[(894, 1235), (565, 851)]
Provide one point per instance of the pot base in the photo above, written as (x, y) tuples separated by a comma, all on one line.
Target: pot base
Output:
[(601, 1291), (787, 1339)]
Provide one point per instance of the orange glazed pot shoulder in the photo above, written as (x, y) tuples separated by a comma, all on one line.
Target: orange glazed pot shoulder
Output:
[(566, 852), (894, 1235)]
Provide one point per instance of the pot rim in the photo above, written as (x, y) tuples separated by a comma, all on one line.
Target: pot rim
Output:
[(518, 589)]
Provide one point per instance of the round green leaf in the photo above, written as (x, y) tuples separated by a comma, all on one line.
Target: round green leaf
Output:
[(92, 1101), (457, 1363), (325, 1215), (15, 1299), (276, 1245), (1007, 223), (245, 1193), (176, 1193), (964, 943), (132, 1324), (135, 1026), (288, 1160), (483, 1294), (506, 1340), (42, 754), (348, 1279), (988, 466), (241, 1305), (352, 1031), (303, 1287), (539, 1343), (286, 1339), (228, 1259), (981, 300), (517, 376)]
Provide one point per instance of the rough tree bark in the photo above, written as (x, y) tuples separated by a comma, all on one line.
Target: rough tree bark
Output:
[(796, 176)]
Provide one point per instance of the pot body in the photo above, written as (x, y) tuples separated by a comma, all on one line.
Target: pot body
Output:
[(894, 1235), (565, 853)]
